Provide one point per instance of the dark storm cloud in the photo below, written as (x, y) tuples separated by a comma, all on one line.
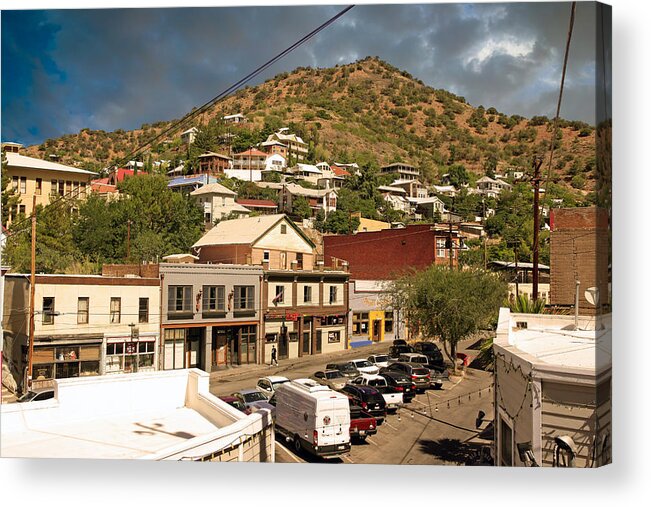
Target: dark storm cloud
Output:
[(112, 69)]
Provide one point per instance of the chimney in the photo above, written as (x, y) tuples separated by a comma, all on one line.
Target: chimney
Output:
[(319, 265), (265, 264), (294, 264), (344, 266)]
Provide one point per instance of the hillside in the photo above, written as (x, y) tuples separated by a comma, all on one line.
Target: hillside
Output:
[(368, 112)]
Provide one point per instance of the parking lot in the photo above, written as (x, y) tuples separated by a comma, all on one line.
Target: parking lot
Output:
[(437, 427)]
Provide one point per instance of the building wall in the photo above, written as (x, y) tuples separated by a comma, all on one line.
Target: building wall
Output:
[(513, 402), (385, 255), (579, 251), (46, 176), (291, 241), (581, 413)]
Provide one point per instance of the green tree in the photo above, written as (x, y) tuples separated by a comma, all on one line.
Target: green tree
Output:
[(301, 207), (55, 246), (10, 198), (450, 304)]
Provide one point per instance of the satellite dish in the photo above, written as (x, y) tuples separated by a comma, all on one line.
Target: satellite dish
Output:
[(592, 295)]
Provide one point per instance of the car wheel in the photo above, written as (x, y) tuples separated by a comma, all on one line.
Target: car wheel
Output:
[(297, 444)]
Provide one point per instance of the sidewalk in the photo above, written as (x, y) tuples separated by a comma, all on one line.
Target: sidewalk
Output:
[(287, 365)]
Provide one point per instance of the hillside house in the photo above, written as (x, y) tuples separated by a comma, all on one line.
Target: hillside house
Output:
[(396, 197), (263, 206), (491, 187), (296, 148), (41, 178), (274, 147), (217, 202), (214, 163), (234, 118), (189, 135), (401, 171), (414, 188), (252, 158), (318, 199)]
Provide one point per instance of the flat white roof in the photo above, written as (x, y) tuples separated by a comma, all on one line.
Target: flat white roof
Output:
[(548, 341), (125, 436)]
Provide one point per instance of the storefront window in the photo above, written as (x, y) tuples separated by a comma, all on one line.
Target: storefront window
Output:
[(67, 370), (271, 337), (89, 368), (42, 371), (388, 322), (360, 323), (129, 357), (334, 336)]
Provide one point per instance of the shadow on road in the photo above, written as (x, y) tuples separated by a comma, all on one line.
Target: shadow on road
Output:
[(453, 450)]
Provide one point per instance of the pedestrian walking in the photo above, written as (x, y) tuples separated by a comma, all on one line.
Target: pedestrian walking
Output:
[(274, 362)]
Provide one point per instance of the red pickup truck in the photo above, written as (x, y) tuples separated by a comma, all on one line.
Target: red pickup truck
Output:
[(362, 424)]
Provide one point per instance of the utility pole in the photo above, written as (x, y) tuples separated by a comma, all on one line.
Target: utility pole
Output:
[(517, 275), (32, 297), (536, 222), (128, 239), (451, 245), (483, 233), (250, 172)]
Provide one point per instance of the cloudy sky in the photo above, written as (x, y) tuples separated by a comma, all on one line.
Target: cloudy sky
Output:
[(64, 70)]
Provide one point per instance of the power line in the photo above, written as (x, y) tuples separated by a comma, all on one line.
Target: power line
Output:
[(206, 105), (239, 83)]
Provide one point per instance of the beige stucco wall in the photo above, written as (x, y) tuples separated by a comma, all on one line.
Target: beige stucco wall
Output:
[(47, 177), (301, 293)]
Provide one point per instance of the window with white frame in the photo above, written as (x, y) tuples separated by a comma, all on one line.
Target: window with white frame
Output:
[(440, 247), (116, 310), (333, 294), (82, 310)]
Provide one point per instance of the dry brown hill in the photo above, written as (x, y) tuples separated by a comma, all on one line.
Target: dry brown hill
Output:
[(367, 111)]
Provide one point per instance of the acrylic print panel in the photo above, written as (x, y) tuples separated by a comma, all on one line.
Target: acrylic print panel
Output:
[(376, 234)]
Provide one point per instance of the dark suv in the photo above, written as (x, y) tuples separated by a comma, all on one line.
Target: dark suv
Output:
[(432, 352), (400, 381), (396, 350), (419, 375), (369, 398)]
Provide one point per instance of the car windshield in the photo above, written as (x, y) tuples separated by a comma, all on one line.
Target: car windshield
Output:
[(276, 383), (238, 404), (257, 396), (428, 347), (333, 375), (363, 364), (421, 371), (347, 367), (375, 383), (381, 359), (421, 360), (28, 396)]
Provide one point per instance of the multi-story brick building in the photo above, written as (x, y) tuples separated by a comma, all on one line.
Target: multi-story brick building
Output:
[(579, 251), (303, 306)]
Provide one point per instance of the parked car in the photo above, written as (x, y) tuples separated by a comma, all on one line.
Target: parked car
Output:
[(236, 403), (369, 398), (254, 400), (39, 395), (392, 396), (396, 350), (267, 385), (362, 424), (379, 360), (365, 366), (347, 369), (334, 379), (399, 342), (431, 351), (436, 374), (313, 417), (401, 381), (419, 375)]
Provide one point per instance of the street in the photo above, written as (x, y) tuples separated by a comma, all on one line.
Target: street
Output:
[(436, 428)]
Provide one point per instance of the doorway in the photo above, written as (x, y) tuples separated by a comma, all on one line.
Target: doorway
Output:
[(376, 331), (283, 343), (193, 354), (318, 341), (233, 346)]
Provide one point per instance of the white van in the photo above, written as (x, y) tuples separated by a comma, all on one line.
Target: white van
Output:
[(313, 417)]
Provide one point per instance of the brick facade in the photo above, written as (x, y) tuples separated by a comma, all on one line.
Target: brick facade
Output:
[(122, 270), (390, 253), (579, 251)]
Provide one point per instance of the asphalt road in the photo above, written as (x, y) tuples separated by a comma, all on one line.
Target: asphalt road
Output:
[(436, 428)]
